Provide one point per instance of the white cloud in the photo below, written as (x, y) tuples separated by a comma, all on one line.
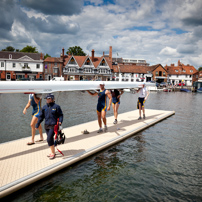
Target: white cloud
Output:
[(168, 51)]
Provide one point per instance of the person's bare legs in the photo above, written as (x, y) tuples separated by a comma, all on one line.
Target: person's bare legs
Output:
[(40, 131), (52, 149), (143, 111), (140, 107), (116, 110), (32, 124), (103, 113), (99, 119)]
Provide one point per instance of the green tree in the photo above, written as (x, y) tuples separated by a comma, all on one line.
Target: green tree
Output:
[(200, 69), (45, 56), (9, 48), (76, 50), (29, 49)]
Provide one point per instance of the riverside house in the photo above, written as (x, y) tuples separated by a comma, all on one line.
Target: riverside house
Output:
[(20, 66), (180, 73), (131, 72)]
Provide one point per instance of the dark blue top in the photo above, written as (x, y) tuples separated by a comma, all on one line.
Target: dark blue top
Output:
[(115, 93), (51, 112), (36, 107), (102, 97)]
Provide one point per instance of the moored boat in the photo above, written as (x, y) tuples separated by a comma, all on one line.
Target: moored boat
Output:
[(199, 90), (185, 90), (166, 90)]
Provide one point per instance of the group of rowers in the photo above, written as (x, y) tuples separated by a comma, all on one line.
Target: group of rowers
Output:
[(53, 114)]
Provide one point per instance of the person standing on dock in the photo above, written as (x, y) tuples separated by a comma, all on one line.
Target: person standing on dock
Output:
[(102, 105), (35, 102), (116, 94), (50, 112), (143, 95)]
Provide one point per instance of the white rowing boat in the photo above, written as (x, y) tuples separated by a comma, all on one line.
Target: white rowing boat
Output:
[(29, 87)]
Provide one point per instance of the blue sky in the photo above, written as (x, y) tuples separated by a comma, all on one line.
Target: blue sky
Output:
[(155, 30)]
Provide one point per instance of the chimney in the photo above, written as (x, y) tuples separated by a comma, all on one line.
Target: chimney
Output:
[(103, 53), (63, 53), (93, 55), (110, 53), (179, 64), (63, 57), (41, 56)]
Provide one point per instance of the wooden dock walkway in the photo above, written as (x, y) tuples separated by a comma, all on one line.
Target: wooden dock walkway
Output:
[(22, 165)]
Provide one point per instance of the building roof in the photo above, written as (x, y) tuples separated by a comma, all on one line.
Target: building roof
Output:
[(53, 59), (17, 55), (181, 70), (81, 59), (124, 68)]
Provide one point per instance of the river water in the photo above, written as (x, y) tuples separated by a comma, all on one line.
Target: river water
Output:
[(160, 163)]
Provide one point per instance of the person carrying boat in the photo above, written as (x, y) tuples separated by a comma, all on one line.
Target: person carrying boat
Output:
[(102, 105), (116, 94), (35, 102), (143, 95), (50, 112)]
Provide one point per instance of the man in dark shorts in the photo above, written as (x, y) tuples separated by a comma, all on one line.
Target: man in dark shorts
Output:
[(116, 94), (102, 105), (143, 95), (51, 112)]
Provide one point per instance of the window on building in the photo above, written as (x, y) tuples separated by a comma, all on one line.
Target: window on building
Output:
[(191, 70), (25, 65), (176, 70), (10, 56), (103, 71), (156, 73), (46, 70), (37, 66), (87, 62), (164, 73), (2, 64), (56, 64), (190, 76), (87, 70), (14, 65), (72, 61), (71, 69), (55, 70), (184, 70), (196, 76), (103, 63)]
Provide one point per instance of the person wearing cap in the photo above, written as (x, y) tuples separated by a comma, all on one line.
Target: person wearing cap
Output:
[(116, 94), (35, 102), (51, 112), (143, 95), (102, 105)]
